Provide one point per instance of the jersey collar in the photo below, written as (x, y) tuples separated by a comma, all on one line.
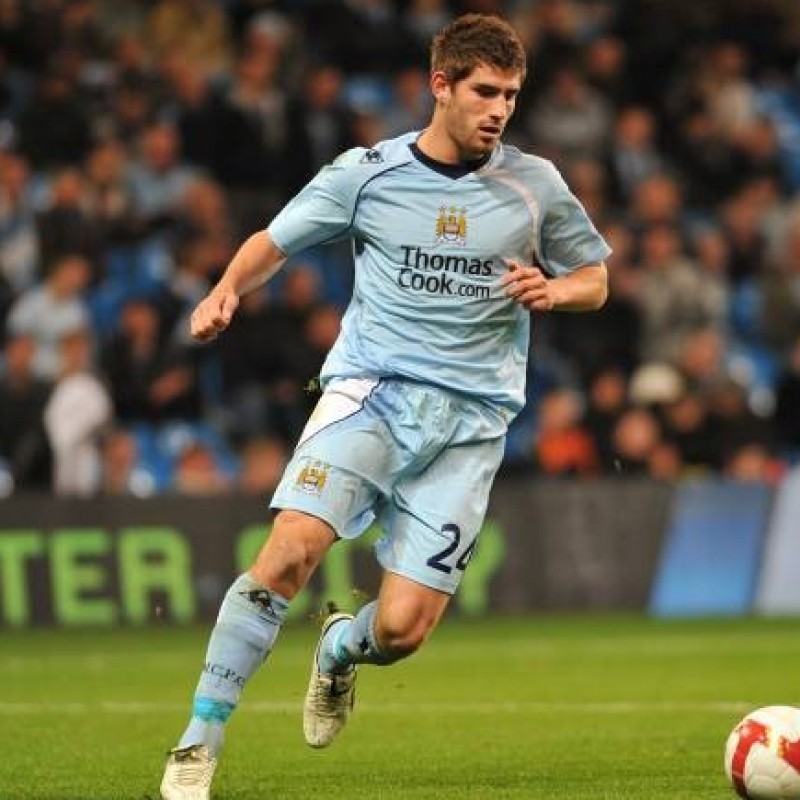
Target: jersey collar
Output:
[(454, 171)]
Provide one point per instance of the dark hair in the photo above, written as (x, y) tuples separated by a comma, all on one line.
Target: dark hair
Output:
[(475, 39)]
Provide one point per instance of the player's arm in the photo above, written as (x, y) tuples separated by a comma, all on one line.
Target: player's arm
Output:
[(571, 271), (322, 212), (584, 289), (256, 261)]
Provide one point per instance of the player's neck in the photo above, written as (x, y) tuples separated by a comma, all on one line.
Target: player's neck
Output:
[(437, 145)]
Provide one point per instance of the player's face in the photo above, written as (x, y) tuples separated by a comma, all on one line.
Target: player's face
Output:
[(477, 109)]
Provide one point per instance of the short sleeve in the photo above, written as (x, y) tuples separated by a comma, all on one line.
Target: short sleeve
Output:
[(323, 211), (568, 239)]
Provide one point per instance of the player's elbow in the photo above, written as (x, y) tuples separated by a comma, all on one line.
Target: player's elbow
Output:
[(600, 296), (599, 287)]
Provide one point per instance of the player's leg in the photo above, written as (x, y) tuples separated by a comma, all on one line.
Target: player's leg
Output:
[(247, 626), (250, 619), (384, 631), (388, 629), (432, 525), (317, 501), (432, 528)]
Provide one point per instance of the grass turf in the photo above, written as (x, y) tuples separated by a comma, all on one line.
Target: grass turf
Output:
[(579, 708)]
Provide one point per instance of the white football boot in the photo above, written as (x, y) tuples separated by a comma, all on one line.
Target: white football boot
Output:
[(188, 773), (329, 698)]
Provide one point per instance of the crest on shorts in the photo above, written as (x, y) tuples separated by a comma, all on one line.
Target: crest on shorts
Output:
[(312, 477), (451, 225)]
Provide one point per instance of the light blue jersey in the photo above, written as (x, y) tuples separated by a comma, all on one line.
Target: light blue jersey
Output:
[(429, 252)]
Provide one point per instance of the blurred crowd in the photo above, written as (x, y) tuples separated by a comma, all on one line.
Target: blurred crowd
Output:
[(142, 140)]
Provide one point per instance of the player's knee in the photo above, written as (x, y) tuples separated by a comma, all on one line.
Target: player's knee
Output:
[(298, 534), (401, 634), (399, 646), (293, 550)]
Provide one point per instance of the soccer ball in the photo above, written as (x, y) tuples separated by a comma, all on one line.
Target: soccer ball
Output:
[(762, 757)]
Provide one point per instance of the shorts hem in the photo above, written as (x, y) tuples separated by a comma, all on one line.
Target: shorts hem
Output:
[(320, 515), (428, 581)]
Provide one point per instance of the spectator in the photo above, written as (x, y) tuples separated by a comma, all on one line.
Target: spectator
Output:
[(120, 453), (193, 108), (562, 444), (50, 310), (777, 289), (77, 413), (665, 463), (757, 150), (128, 136), (23, 444), (423, 19), (725, 90), (674, 297), (787, 403), (158, 179), (106, 197), (197, 261), (410, 106), (707, 162), (203, 212), (64, 227), (588, 180), (605, 66), (752, 463), (741, 220), (322, 120), (738, 425), (81, 31), (252, 139), (613, 334), (656, 200), (54, 128), (607, 401), (702, 360), (195, 29), (636, 441), (262, 462), (363, 36), (196, 472), (19, 238), (570, 119), (694, 432), (132, 109), (633, 155), (306, 357), (149, 382)]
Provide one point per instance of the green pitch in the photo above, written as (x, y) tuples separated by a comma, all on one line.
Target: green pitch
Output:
[(573, 708)]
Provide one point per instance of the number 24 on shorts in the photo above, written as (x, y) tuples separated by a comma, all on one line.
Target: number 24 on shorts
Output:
[(438, 561)]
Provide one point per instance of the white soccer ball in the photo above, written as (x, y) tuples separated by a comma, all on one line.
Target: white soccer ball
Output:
[(762, 756)]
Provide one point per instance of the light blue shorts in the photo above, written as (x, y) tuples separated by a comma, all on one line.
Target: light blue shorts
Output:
[(419, 459)]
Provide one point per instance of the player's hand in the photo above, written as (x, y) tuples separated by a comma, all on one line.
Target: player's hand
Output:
[(529, 287), (213, 314)]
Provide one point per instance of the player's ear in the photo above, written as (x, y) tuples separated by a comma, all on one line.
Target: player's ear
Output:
[(440, 86)]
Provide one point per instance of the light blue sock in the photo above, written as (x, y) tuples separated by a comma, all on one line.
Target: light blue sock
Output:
[(352, 642), (247, 625)]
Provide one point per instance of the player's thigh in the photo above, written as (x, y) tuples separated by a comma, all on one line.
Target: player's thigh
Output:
[(345, 461), (433, 520)]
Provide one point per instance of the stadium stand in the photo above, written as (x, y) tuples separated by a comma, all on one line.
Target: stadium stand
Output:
[(144, 144)]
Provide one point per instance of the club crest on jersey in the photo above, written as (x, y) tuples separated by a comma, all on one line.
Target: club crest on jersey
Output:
[(312, 477), (451, 225)]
